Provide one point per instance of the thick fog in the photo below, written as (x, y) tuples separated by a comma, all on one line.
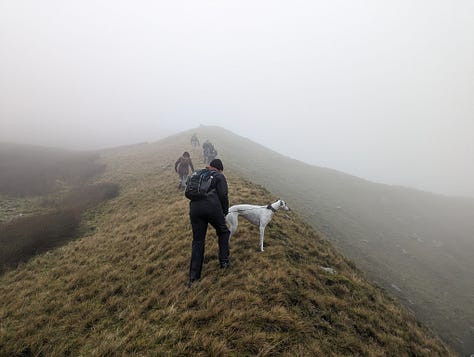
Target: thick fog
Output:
[(381, 90)]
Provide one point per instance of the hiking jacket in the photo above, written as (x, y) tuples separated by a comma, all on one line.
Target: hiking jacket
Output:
[(182, 165), (218, 195)]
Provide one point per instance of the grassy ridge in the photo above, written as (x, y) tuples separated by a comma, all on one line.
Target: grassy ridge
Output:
[(120, 288), (418, 245)]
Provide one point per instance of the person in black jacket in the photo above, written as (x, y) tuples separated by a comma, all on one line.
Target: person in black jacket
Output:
[(211, 209)]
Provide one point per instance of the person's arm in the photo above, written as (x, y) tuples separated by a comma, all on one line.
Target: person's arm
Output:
[(176, 164), (191, 164), (222, 193)]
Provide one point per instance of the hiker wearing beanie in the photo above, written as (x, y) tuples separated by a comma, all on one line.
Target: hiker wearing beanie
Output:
[(210, 209)]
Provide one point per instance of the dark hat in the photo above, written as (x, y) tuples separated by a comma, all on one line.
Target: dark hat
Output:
[(217, 164)]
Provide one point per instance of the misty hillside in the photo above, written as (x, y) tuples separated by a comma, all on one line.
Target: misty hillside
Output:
[(43, 192), (118, 288), (417, 245), (27, 170)]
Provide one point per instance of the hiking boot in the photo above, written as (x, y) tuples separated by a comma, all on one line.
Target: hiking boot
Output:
[(190, 283), (225, 264)]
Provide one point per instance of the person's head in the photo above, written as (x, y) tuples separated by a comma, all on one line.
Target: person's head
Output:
[(186, 154), (217, 163)]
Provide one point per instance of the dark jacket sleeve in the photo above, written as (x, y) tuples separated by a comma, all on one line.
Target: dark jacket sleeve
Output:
[(191, 164), (222, 193)]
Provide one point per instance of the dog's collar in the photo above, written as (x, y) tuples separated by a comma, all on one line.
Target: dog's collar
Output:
[(271, 208)]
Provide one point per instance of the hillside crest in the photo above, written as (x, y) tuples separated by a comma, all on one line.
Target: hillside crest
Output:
[(119, 288)]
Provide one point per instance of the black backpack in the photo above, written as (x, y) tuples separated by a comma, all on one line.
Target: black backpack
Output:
[(198, 184)]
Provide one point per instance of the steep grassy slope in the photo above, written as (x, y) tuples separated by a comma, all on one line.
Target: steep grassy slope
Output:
[(42, 194), (119, 290), (56, 224), (418, 245)]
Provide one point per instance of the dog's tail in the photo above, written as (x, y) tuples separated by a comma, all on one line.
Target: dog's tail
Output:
[(232, 221), (233, 209)]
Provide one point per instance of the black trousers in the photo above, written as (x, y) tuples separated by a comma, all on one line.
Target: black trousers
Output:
[(201, 214)]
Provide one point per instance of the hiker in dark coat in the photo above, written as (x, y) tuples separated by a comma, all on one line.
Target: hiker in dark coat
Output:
[(211, 209), (209, 153), (181, 166)]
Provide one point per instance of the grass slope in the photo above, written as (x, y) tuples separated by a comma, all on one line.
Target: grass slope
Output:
[(42, 194), (119, 290), (417, 245)]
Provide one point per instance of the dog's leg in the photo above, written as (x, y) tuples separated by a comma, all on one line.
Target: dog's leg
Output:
[(232, 221), (262, 233)]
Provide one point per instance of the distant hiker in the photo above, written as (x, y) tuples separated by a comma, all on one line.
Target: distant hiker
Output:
[(205, 149), (210, 209), (212, 154), (181, 166), (209, 153), (194, 141)]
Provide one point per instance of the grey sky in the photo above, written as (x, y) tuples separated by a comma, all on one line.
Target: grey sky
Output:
[(382, 90)]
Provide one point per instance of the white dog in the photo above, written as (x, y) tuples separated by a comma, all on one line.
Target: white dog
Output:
[(258, 215)]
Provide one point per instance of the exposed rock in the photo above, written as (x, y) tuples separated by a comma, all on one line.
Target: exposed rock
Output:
[(328, 270)]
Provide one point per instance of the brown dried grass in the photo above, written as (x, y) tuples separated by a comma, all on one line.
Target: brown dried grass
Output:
[(119, 290)]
